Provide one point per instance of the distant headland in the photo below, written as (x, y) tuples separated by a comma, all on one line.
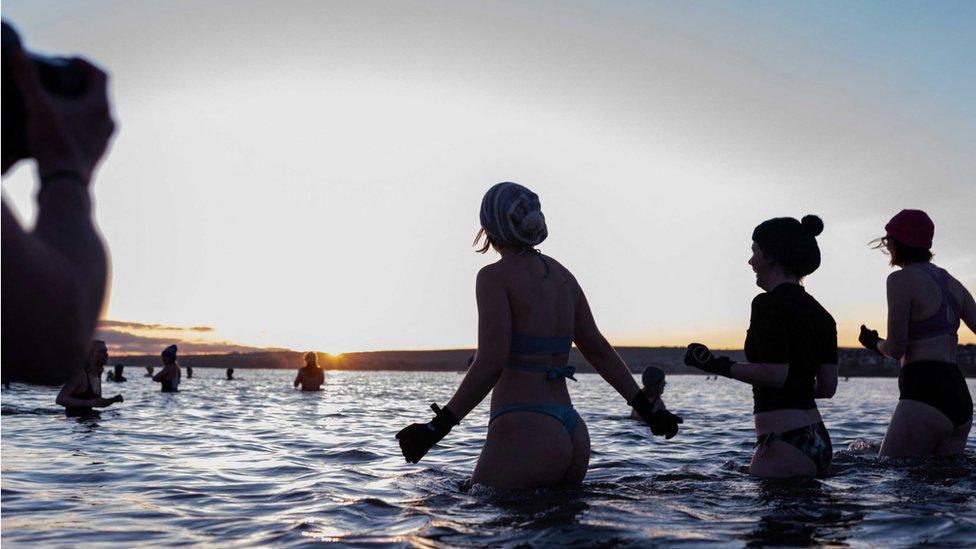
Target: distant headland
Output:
[(853, 362)]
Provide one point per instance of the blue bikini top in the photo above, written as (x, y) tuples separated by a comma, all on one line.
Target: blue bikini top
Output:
[(533, 345), (939, 323)]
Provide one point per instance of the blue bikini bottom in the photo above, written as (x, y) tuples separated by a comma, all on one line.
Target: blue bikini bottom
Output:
[(563, 412)]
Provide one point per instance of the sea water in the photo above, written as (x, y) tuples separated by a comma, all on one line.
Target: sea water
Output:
[(253, 462)]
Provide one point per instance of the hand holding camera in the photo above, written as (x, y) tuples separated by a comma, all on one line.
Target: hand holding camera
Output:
[(56, 111)]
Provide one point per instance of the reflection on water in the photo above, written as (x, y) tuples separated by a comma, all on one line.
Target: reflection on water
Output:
[(251, 461)]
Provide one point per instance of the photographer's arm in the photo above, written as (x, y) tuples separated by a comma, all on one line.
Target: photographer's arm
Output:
[(56, 274)]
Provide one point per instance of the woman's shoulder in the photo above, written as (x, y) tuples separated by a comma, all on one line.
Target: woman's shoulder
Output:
[(561, 269), (556, 264), (493, 273), (762, 301)]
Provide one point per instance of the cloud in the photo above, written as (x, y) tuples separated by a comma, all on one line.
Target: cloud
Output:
[(124, 324), (120, 342)]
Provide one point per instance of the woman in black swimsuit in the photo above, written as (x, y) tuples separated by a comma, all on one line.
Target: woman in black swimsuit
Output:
[(791, 348), (84, 390), (925, 305)]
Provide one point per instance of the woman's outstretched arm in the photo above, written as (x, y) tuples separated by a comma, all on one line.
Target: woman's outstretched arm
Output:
[(494, 344), (600, 354), (597, 351)]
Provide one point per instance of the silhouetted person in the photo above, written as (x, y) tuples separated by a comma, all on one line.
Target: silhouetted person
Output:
[(925, 306), (530, 312), (54, 275), (84, 390), (149, 371), (117, 376), (311, 376), (230, 373), (189, 372), (791, 349), (169, 377), (652, 381)]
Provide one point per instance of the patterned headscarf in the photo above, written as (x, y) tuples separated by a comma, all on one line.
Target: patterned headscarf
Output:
[(512, 216)]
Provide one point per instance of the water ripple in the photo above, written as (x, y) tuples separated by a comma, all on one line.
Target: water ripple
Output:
[(255, 463)]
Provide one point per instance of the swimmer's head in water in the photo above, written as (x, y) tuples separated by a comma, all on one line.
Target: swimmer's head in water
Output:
[(169, 354), (511, 217), (653, 380), (311, 359), (790, 243)]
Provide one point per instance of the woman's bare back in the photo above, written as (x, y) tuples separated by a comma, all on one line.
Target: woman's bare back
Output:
[(543, 296)]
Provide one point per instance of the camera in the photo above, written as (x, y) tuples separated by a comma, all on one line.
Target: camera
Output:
[(58, 76)]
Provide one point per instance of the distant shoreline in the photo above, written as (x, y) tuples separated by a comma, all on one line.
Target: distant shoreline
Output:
[(853, 362)]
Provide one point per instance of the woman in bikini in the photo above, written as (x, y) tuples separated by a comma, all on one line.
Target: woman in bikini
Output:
[(925, 305), (530, 311)]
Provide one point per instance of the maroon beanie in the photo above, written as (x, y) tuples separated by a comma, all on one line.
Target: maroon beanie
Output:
[(912, 228)]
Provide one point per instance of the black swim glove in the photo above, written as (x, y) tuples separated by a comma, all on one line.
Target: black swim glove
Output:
[(869, 339), (662, 422), (698, 356), (416, 439)]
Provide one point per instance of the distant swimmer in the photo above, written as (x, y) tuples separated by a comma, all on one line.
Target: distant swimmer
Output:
[(83, 391), (149, 371), (652, 381), (170, 375), (117, 376), (189, 372), (791, 349), (311, 376), (530, 312), (230, 373), (925, 307)]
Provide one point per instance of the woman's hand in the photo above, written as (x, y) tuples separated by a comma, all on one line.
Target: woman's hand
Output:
[(699, 356), (418, 438), (661, 421), (64, 134), (869, 339), (106, 402)]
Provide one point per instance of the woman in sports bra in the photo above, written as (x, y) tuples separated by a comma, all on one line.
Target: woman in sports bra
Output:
[(791, 353), (925, 305), (530, 312)]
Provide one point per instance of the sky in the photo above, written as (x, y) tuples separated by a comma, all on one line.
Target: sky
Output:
[(307, 175)]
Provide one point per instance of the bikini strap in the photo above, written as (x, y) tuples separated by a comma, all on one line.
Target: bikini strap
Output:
[(552, 372)]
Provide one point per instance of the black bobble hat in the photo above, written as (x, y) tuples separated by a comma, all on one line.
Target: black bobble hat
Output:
[(791, 243)]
